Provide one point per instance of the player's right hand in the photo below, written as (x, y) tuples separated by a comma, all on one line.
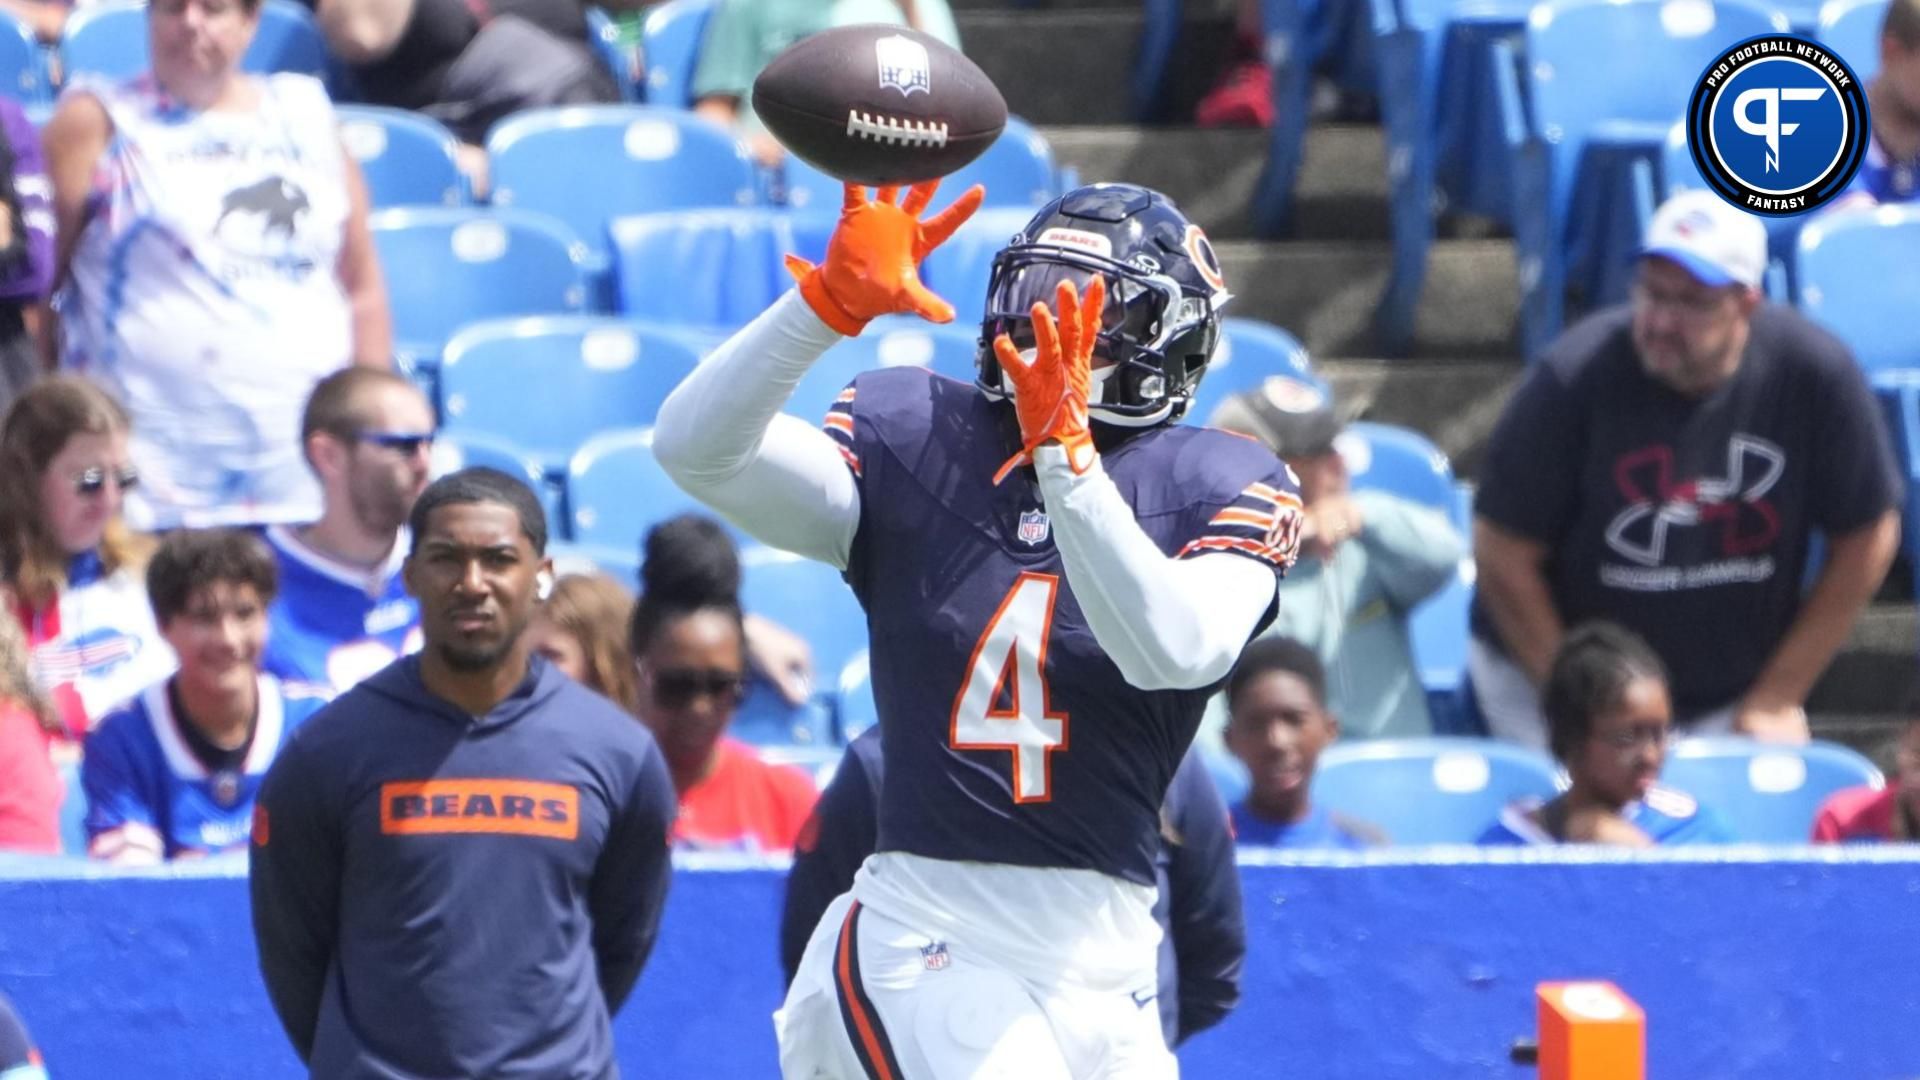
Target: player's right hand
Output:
[(872, 260)]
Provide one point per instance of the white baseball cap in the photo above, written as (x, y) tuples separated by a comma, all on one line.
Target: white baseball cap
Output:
[(1712, 239)]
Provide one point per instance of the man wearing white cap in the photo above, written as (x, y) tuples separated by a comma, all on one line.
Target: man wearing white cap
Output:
[(1665, 465)]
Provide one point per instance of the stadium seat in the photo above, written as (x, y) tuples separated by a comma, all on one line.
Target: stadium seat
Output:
[(898, 341), (1301, 41), (1249, 351), (1017, 170), (1601, 95), (588, 164), (958, 269), (447, 266), (616, 491), (23, 74), (1430, 791), (1851, 28), (809, 598), (622, 60), (407, 158), (109, 38), (73, 811), (548, 383), (1768, 793), (1398, 461), (456, 450), (716, 268), (855, 711), (1438, 631), (670, 45), (1856, 267)]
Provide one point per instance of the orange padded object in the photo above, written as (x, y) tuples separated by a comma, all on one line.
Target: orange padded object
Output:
[(1590, 1031)]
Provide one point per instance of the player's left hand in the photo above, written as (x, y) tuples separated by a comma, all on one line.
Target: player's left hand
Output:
[(1781, 723), (1050, 394)]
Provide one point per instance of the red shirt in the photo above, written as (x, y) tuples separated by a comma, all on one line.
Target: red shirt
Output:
[(1857, 813), (744, 804), (30, 788)]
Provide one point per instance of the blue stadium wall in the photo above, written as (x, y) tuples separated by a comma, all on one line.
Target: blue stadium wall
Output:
[(1756, 965)]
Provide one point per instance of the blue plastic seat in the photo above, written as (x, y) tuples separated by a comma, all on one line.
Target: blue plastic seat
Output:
[(1301, 39), (588, 164), (959, 269), (73, 811), (456, 450), (902, 341), (1249, 352), (1851, 28), (1767, 793), (446, 267), (718, 268), (670, 46), (616, 491), (855, 710), (1602, 94), (1398, 461), (1017, 170), (1439, 629), (548, 383), (23, 74), (1430, 791), (1855, 270), (623, 61), (409, 159), (810, 598), (110, 38)]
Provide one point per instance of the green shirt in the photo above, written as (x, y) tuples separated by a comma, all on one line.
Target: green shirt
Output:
[(743, 36)]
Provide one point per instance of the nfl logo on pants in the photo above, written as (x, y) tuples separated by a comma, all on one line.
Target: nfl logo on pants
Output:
[(935, 956)]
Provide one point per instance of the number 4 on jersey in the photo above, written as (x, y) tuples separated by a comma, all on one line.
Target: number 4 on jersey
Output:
[(1003, 703)]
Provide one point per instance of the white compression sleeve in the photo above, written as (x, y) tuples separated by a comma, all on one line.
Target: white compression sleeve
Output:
[(722, 437), (1167, 623)]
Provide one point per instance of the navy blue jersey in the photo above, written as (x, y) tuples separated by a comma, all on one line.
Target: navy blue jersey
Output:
[(437, 894), (333, 625), (1020, 741), (1198, 908)]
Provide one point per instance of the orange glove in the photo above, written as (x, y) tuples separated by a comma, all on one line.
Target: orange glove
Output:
[(871, 259), (1050, 395)]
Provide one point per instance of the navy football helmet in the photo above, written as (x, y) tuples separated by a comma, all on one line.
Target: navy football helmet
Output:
[(1164, 294)]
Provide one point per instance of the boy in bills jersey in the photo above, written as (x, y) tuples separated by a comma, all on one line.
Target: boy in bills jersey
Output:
[(1055, 576), (173, 773)]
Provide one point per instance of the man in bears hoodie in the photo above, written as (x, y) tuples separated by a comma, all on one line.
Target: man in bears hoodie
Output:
[(459, 865)]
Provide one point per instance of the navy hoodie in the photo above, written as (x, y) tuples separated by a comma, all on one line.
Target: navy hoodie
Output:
[(437, 895)]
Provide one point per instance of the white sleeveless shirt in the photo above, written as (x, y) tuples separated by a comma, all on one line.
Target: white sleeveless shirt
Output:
[(204, 295)]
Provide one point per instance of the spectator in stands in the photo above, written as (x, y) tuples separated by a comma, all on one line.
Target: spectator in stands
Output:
[(743, 36), (30, 788), (19, 1059), (468, 64), (173, 773), (71, 565), (1204, 934), (214, 263), (1665, 466), (1611, 718), (1277, 725), (26, 250), (1367, 559), (1891, 813), (582, 630), (689, 644), (1891, 171), (343, 611)]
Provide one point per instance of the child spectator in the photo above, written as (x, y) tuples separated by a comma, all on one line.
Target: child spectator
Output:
[(1609, 718), (581, 629), (173, 773), (690, 647), (1891, 813), (72, 566), (30, 788), (1277, 724)]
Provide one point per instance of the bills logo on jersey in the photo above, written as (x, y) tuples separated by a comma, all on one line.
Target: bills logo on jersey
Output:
[(225, 787), (1034, 528), (96, 653), (935, 956), (903, 65)]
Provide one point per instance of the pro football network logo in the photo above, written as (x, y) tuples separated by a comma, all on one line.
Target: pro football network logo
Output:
[(1778, 125)]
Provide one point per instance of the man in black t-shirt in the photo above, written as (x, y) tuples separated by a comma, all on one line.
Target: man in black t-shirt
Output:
[(1665, 465)]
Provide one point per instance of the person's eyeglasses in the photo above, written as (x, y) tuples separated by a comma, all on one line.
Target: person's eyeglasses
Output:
[(677, 689), (406, 442), (93, 481), (1696, 305)]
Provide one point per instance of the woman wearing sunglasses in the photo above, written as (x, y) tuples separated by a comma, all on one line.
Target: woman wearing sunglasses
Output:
[(689, 646), (71, 566)]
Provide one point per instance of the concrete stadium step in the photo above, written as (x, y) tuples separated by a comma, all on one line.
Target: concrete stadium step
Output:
[(1073, 66), (1212, 172), (1325, 292), (1453, 402)]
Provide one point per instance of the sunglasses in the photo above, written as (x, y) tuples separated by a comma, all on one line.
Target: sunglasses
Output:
[(678, 689), (93, 481), (406, 442)]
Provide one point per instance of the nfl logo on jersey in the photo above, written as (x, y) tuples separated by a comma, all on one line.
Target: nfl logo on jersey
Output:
[(935, 956), (1034, 527)]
